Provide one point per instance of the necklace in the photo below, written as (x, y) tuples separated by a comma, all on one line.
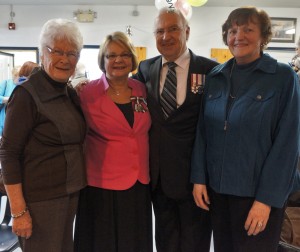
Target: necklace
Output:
[(117, 92), (232, 96)]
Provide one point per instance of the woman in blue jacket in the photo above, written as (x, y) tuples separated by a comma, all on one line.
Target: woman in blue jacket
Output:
[(247, 145), (6, 88)]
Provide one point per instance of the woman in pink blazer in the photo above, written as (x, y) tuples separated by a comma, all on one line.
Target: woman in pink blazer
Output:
[(115, 209)]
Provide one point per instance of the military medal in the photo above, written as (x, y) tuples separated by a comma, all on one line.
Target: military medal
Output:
[(139, 104), (197, 83)]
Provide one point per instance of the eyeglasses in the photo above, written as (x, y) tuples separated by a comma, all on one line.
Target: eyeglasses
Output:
[(113, 57), (72, 55), (170, 30)]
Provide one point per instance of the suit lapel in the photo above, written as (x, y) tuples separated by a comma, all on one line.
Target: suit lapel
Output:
[(193, 69), (153, 86), (188, 86)]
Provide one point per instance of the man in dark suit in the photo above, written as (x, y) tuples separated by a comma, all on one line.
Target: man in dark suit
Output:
[(180, 225)]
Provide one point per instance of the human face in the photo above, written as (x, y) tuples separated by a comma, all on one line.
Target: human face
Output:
[(171, 36), (117, 61), (244, 42), (59, 60)]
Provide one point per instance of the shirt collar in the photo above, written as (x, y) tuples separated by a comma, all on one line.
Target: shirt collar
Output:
[(182, 61)]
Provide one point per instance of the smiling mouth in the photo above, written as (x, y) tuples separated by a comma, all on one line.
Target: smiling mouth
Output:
[(167, 45), (120, 67), (63, 69), (240, 45)]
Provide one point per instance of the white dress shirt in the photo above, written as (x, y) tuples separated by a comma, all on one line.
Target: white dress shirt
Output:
[(182, 69)]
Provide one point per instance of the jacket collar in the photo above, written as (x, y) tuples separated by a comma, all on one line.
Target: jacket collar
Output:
[(266, 64), (131, 84)]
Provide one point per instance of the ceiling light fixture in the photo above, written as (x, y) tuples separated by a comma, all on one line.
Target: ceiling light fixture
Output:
[(85, 16)]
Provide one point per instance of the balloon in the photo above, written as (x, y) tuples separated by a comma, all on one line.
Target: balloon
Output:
[(197, 3), (185, 8), (159, 4)]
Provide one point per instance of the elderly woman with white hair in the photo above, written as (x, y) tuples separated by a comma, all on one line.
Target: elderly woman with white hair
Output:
[(42, 145)]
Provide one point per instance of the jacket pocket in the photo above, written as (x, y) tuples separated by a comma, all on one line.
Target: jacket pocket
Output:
[(213, 104), (261, 95), (213, 95)]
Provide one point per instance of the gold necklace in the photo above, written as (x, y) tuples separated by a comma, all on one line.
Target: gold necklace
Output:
[(116, 92)]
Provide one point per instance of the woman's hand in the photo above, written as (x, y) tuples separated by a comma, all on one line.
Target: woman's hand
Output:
[(200, 196), (5, 99), (22, 226), (22, 223), (80, 86), (257, 219)]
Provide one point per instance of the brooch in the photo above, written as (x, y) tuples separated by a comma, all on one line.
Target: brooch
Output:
[(139, 104), (197, 83)]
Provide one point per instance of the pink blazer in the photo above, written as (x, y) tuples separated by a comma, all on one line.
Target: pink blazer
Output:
[(116, 154)]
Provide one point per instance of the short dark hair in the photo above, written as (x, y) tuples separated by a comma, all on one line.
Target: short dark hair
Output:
[(242, 16)]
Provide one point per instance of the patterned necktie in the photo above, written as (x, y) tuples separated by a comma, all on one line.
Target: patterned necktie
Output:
[(168, 96)]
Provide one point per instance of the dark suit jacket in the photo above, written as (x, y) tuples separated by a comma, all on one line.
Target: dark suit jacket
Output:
[(171, 140)]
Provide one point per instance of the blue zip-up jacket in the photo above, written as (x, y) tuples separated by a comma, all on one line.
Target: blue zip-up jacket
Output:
[(6, 88), (256, 155)]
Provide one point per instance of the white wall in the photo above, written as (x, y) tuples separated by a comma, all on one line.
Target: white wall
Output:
[(205, 25)]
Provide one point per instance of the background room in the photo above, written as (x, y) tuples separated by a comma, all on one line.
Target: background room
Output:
[(21, 22), (134, 17)]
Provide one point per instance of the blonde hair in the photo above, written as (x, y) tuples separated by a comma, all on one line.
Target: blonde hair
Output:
[(122, 39), (15, 72)]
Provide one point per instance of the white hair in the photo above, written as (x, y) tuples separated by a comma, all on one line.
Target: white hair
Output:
[(60, 29)]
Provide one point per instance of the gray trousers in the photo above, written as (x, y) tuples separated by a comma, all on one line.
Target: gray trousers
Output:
[(52, 225)]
